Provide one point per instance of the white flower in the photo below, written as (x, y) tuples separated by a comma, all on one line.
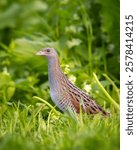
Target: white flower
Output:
[(72, 78), (87, 88), (73, 42), (71, 29)]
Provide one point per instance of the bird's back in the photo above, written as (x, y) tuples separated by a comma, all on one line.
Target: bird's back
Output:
[(76, 99)]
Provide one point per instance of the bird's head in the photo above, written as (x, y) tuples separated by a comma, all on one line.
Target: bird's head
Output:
[(48, 52)]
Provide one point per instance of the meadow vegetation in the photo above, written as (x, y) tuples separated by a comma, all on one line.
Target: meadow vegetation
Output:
[(85, 34)]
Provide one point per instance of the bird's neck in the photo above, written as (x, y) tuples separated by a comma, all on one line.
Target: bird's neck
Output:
[(54, 65), (54, 71)]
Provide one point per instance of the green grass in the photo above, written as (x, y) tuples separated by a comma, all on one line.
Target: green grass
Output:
[(25, 127)]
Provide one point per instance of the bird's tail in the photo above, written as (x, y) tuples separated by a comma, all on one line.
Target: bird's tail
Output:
[(104, 113)]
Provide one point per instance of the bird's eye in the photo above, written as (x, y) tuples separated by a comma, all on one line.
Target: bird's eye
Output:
[(48, 50)]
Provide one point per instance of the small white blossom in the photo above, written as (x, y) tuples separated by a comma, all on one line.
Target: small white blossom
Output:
[(73, 42), (72, 78), (87, 88)]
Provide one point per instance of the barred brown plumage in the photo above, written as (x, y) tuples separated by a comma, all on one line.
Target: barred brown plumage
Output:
[(63, 93)]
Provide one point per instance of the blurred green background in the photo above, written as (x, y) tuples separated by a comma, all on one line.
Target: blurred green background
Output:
[(86, 36)]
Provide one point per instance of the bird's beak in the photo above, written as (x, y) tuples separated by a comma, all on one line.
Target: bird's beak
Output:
[(41, 52)]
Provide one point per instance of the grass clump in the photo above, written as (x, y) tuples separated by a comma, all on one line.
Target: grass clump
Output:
[(26, 127)]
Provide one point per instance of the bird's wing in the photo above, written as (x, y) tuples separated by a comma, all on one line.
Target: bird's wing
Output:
[(81, 100)]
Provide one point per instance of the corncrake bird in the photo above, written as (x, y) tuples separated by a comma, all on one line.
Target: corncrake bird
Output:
[(63, 93)]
